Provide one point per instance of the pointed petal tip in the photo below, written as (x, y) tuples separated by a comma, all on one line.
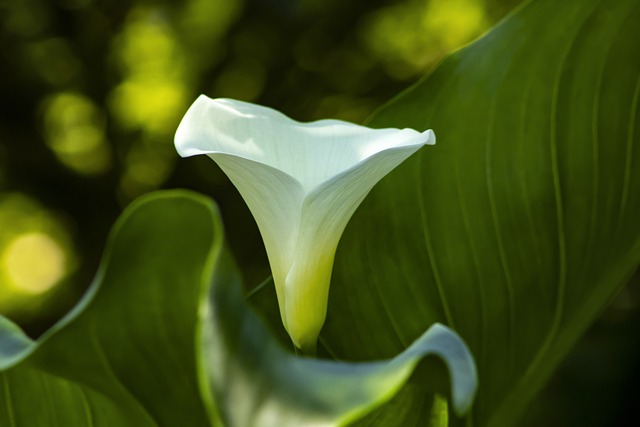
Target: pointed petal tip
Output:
[(184, 133), (191, 137), (416, 138), (208, 121), (431, 137)]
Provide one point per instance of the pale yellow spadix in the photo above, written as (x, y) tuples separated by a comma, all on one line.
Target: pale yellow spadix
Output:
[(302, 183)]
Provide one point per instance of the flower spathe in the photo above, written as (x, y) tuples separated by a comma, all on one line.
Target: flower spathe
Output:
[(302, 183)]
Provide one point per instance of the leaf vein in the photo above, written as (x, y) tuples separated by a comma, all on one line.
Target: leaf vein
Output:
[(476, 267), (559, 209), (499, 238), (87, 407), (8, 402), (102, 356), (385, 307), (595, 112), (429, 247)]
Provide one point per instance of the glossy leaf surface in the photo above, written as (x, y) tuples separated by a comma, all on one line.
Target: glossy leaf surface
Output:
[(521, 224), (166, 313)]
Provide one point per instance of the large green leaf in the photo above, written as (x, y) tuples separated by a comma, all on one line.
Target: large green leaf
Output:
[(126, 354), (256, 383), (522, 222), (164, 337)]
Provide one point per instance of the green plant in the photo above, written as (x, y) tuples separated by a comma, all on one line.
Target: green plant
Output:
[(515, 231)]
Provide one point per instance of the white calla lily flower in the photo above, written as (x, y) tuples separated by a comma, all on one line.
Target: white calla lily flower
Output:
[(302, 183)]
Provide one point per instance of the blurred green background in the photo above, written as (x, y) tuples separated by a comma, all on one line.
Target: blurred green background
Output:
[(92, 92)]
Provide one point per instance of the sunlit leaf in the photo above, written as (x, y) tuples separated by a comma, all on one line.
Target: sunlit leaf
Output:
[(126, 354), (146, 347), (521, 224)]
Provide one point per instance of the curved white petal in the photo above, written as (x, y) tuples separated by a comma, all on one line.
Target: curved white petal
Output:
[(325, 214), (310, 152), (274, 199), (302, 182)]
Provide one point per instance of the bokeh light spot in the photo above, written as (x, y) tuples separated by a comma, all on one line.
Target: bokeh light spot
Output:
[(54, 61), (154, 92), (74, 129), (205, 21), (423, 31), (36, 256), (456, 22), (147, 165), (33, 262), (24, 17)]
